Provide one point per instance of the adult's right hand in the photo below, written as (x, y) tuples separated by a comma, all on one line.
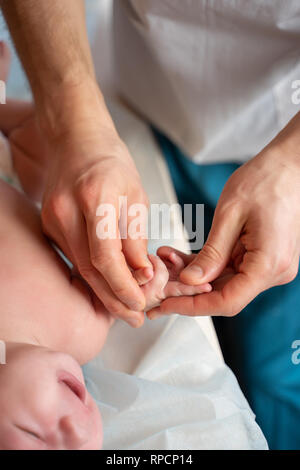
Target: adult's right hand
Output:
[(89, 165)]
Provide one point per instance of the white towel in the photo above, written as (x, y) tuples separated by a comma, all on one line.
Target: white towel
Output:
[(164, 387)]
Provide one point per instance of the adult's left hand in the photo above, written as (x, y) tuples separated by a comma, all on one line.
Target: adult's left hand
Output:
[(254, 241)]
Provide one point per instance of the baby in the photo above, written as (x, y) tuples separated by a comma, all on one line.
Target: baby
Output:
[(51, 322)]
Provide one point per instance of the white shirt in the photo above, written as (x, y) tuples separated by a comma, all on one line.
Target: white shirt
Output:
[(216, 76)]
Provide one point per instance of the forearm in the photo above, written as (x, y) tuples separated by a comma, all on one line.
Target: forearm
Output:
[(51, 40)]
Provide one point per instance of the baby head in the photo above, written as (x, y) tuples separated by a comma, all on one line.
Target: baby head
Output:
[(44, 403)]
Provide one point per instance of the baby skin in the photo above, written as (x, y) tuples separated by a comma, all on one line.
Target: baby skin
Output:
[(51, 321)]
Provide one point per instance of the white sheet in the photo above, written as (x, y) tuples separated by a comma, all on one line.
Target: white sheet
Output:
[(164, 387)]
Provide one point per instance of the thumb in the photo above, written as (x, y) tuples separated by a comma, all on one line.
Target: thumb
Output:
[(216, 252)]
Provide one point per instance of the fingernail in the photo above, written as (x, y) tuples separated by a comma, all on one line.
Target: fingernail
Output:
[(208, 288), (154, 315), (194, 269)]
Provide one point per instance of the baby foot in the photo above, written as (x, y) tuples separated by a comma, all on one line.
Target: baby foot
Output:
[(165, 281), (154, 289)]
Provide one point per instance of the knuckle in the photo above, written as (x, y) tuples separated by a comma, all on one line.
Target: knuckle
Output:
[(119, 148), (121, 292), (116, 147), (137, 195), (101, 261), (85, 269), (114, 307), (233, 307), (87, 192), (290, 275), (211, 252), (229, 209), (293, 275), (266, 265), (55, 206), (232, 311), (284, 264)]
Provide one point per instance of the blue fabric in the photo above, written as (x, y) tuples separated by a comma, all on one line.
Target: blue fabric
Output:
[(257, 342)]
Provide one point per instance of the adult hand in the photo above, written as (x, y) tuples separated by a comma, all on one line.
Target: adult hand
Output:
[(254, 241), (89, 166), (88, 163), (80, 173)]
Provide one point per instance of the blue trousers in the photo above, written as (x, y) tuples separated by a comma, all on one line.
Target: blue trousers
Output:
[(257, 343)]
